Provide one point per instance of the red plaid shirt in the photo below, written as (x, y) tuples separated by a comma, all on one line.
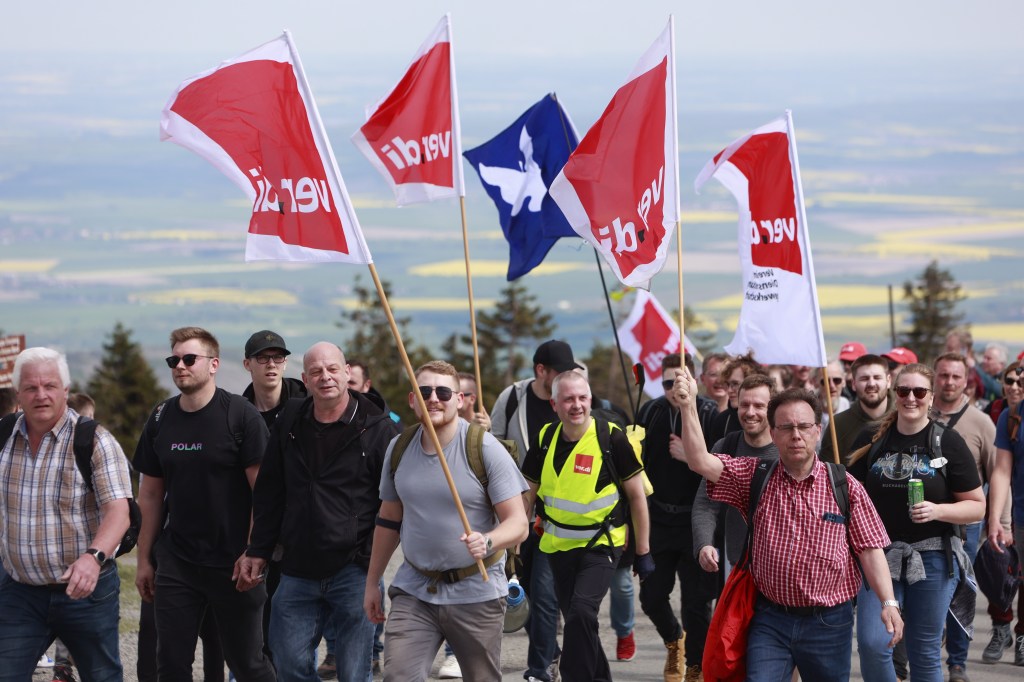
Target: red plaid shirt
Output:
[(801, 555)]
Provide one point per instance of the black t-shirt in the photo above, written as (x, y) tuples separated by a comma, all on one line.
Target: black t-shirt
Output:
[(538, 413), (623, 458), (674, 482), (903, 457), (209, 501)]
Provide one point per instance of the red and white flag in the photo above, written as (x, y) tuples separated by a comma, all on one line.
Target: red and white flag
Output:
[(620, 190), (412, 136), (779, 320), (254, 118), (647, 336)]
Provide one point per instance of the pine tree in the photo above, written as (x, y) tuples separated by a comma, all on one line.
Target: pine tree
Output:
[(932, 300), (514, 328), (604, 371), (125, 388), (372, 343)]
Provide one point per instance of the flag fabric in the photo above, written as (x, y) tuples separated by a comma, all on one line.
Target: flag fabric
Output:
[(412, 136), (619, 190), (254, 119), (516, 168), (647, 336), (779, 320)]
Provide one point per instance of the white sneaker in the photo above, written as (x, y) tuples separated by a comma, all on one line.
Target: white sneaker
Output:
[(45, 662), (450, 669)]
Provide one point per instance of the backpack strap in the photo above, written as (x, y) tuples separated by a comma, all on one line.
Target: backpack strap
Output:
[(762, 472), (404, 438), (731, 442), (83, 445), (474, 453), (236, 418), (510, 406)]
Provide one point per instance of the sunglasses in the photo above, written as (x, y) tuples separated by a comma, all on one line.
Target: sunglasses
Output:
[(189, 359), (667, 384), (919, 391), (1013, 382), (444, 394), (836, 381)]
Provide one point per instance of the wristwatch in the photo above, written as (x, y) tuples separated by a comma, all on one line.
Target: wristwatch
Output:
[(98, 555), (490, 545), (891, 602)]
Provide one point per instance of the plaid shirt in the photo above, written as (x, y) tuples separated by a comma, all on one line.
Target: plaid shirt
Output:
[(48, 516), (801, 553)]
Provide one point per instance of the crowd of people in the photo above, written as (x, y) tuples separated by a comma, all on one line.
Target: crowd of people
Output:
[(860, 492)]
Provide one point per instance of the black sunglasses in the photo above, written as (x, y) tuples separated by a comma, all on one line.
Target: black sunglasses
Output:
[(444, 394), (919, 391), (667, 384), (189, 359), (1013, 382), (836, 381)]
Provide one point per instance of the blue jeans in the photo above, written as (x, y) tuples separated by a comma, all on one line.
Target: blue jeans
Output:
[(297, 621), (542, 626), (924, 605), (33, 616), (820, 645), (621, 608), (956, 639)]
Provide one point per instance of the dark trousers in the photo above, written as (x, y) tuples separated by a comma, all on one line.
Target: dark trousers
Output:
[(542, 625), (145, 664), (696, 591), (582, 578), (184, 594)]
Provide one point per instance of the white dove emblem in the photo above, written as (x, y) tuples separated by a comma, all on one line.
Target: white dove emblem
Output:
[(517, 185)]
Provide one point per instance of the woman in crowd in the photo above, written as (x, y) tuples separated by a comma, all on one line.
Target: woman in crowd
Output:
[(926, 556)]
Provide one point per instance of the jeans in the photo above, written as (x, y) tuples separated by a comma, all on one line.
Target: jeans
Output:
[(819, 645), (924, 605), (956, 639), (33, 616), (621, 609), (542, 625), (582, 578), (301, 609)]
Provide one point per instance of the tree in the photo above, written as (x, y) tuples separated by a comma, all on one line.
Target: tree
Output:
[(372, 343), (932, 300), (604, 371), (125, 388), (512, 329)]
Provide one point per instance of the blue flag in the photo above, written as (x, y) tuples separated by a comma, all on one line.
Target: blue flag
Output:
[(516, 168)]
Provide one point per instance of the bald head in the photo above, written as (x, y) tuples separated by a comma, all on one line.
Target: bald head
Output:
[(325, 374)]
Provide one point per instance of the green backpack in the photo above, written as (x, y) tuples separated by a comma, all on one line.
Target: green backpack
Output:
[(474, 450)]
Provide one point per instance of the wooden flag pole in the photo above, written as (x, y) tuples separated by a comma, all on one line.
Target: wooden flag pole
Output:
[(679, 257), (427, 425), (831, 414), (472, 309)]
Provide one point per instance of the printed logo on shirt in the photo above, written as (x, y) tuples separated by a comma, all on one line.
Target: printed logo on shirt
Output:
[(899, 466), (187, 447), (584, 464)]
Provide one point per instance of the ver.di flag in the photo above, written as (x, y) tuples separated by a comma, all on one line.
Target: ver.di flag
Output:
[(779, 320), (412, 136), (647, 335), (619, 190), (254, 119), (516, 168)]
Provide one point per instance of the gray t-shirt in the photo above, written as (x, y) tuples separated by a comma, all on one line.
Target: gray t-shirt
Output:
[(430, 523)]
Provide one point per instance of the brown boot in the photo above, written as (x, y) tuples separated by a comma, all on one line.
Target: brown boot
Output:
[(674, 661), (694, 674)]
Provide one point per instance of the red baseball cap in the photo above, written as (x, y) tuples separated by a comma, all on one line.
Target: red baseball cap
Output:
[(901, 355), (852, 350)]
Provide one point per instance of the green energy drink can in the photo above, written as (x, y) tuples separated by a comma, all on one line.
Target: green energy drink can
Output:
[(915, 491)]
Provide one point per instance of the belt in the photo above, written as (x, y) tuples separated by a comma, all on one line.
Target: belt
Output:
[(797, 610), (453, 575)]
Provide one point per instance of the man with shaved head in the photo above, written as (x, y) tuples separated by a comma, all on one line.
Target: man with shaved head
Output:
[(317, 496)]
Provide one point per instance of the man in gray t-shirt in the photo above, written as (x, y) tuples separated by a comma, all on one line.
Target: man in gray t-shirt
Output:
[(438, 593)]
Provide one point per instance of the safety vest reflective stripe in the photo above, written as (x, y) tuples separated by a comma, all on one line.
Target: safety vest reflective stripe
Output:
[(568, 534), (579, 507)]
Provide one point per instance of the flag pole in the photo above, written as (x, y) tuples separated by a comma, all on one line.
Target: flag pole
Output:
[(831, 414), (427, 424), (472, 309), (615, 333), (675, 163)]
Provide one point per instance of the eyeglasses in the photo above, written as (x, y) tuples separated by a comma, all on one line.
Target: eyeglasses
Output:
[(444, 394), (266, 359), (1013, 382), (836, 381), (919, 391), (734, 384), (667, 384), (790, 428), (189, 359)]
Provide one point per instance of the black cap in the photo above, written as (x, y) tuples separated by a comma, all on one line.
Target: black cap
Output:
[(555, 354), (261, 341)]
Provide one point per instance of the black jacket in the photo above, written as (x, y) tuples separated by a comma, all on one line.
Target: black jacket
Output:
[(290, 388), (324, 518)]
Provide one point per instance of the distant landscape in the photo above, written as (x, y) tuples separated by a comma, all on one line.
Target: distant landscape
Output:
[(99, 222)]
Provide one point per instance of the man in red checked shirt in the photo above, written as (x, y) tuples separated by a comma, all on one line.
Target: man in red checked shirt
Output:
[(802, 562)]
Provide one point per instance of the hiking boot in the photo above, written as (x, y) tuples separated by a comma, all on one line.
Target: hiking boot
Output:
[(553, 669), (328, 670), (625, 648), (63, 673), (1002, 639), (450, 669), (694, 674), (958, 674), (674, 661), (1018, 650)]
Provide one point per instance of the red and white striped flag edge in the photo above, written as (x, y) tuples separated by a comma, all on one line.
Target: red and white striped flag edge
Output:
[(253, 117), (780, 320), (647, 335), (619, 190), (412, 135)]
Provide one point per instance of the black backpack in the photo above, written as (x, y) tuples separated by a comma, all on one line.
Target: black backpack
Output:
[(83, 446)]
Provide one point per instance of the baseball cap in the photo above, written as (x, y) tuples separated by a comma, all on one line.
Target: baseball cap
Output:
[(555, 354), (261, 341), (901, 355), (852, 350)]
